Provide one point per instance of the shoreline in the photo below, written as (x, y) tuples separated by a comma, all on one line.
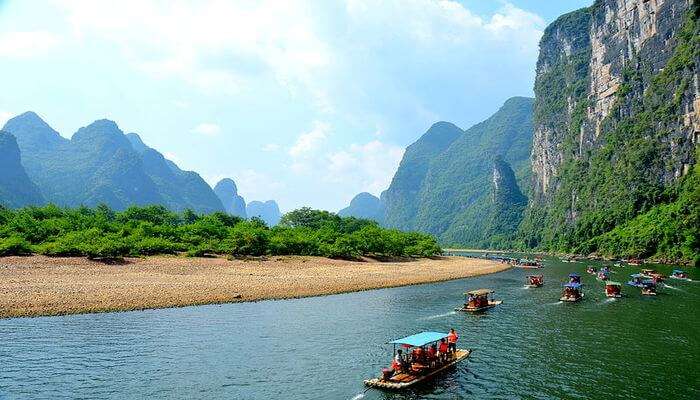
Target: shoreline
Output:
[(43, 286)]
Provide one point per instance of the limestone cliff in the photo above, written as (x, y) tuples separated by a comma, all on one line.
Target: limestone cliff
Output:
[(616, 120)]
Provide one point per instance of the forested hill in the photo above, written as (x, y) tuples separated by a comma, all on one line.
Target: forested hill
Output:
[(101, 165), (444, 183), (617, 121)]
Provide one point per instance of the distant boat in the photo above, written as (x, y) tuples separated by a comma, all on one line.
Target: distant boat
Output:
[(639, 280), (649, 288), (603, 276), (591, 270), (478, 300), (658, 278), (415, 371), (528, 264), (573, 292), (679, 274), (613, 289), (574, 278), (534, 281)]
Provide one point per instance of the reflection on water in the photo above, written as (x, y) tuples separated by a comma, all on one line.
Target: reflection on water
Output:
[(532, 346)]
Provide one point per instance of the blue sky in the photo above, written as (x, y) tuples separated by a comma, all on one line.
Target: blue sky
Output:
[(305, 102)]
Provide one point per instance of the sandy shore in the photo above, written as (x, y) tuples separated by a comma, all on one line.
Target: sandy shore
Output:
[(37, 285)]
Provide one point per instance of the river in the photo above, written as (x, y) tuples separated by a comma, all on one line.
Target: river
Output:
[(530, 347)]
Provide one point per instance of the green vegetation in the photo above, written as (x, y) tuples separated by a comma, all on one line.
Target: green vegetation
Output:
[(622, 197), (137, 231), (443, 185)]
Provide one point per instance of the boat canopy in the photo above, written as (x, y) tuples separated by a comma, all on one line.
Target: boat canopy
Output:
[(640, 276), (678, 271), (573, 285), (611, 283), (420, 339), (479, 292), (574, 275)]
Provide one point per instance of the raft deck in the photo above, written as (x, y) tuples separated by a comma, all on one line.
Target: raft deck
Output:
[(492, 304), (404, 380)]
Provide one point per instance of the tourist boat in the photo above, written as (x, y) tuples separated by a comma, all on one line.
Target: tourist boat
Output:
[(658, 278), (634, 261), (679, 274), (574, 278), (528, 264), (572, 292), (649, 288), (603, 276), (478, 300), (418, 371), (613, 289), (535, 281), (638, 280), (591, 270)]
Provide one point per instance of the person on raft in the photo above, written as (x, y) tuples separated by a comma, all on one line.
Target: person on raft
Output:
[(452, 339), (443, 350)]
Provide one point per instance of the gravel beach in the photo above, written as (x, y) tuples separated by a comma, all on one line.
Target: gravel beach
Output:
[(38, 285)]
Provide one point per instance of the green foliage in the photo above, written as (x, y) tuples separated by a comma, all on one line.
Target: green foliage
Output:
[(620, 197), (14, 246), (140, 231)]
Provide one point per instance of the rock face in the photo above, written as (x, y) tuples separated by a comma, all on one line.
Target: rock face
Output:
[(507, 206), (443, 187), (233, 203), (16, 189), (267, 211), (364, 205), (617, 116), (102, 165)]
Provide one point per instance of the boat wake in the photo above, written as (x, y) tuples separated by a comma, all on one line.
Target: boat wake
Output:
[(609, 300), (554, 304), (358, 397), (439, 315)]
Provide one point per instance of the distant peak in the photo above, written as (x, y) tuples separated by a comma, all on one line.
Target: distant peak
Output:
[(28, 118), (226, 184), (443, 125)]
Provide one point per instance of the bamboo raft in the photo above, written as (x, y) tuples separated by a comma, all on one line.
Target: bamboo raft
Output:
[(404, 380)]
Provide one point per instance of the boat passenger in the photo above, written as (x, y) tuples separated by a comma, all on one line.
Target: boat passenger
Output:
[(452, 338), (398, 363), (443, 350), (418, 355), (432, 355)]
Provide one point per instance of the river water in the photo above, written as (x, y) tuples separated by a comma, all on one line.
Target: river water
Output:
[(530, 347)]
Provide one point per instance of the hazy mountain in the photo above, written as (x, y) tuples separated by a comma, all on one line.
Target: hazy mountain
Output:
[(443, 184), (267, 211), (233, 203), (16, 189), (100, 164), (364, 205), (180, 189)]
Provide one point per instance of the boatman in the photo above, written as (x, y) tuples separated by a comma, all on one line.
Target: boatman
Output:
[(452, 339)]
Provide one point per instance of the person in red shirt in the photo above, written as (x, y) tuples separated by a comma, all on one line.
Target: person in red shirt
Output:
[(452, 339), (442, 350), (432, 355)]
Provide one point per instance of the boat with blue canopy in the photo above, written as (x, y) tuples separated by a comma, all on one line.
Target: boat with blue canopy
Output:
[(613, 289), (679, 274), (639, 280), (573, 291), (574, 278), (420, 364)]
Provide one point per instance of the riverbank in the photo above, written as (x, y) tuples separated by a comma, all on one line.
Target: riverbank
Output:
[(39, 285)]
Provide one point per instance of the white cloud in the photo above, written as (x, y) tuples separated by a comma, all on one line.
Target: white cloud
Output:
[(4, 116), (207, 129), (366, 167), (271, 147), (27, 44), (308, 143)]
